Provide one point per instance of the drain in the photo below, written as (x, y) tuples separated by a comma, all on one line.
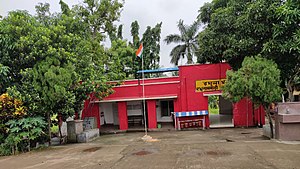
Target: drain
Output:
[(218, 153), (93, 149), (246, 133), (141, 153), (229, 140)]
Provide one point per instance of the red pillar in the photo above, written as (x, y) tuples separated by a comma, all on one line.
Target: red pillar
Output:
[(151, 107), (95, 113), (122, 109), (207, 123)]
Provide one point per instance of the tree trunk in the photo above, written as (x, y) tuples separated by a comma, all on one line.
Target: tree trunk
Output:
[(267, 109), (290, 90), (189, 56), (59, 128), (28, 141), (49, 127), (28, 145)]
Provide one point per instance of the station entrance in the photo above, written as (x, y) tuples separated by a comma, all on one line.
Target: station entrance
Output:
[(220, 112)]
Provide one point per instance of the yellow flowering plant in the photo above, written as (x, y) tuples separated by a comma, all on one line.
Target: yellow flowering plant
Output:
[(10, 108)]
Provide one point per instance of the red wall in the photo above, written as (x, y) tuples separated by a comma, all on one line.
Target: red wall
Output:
[(156, 87), (245, 116), (123, 120), (91, 110), (191, 100), (151, 106)]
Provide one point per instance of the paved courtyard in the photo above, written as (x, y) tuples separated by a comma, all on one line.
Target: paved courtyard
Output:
[(209, 149)]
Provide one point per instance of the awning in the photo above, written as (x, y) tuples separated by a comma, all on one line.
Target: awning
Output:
[(213, 93), (161, 70), (190, 113)]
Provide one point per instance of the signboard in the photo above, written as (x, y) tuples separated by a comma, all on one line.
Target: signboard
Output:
[(89, 123), (209, 85)]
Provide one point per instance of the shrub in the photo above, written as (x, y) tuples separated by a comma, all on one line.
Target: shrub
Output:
[(23, 131)]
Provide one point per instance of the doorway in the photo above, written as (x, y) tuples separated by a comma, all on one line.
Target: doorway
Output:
[(109, 118), (135, 114), (220, 112)]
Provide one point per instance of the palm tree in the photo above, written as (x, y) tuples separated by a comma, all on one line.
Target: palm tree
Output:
[(187, 42)]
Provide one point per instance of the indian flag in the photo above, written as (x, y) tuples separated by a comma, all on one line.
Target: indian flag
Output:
[(139, 52)]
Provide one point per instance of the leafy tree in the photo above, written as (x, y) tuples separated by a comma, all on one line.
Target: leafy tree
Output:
[(120, 32), (56, 60), (4, 78), (135, 27), (213, 102), (283, 47), (257, 79), (122, 57), (135, 45), (16, 41), (43, 13), (64, 8), (52, 80), (186, 40), (151, 46), (236, 29), (100, 15)]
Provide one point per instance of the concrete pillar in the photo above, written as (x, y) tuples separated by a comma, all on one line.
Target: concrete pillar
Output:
[(123, 120), (96, 113), (151, 107), (74, 127)]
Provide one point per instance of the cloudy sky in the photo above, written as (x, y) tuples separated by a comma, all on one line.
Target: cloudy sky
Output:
[(146, 12)]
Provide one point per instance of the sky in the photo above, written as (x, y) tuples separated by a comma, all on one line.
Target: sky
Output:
[(146, 12)]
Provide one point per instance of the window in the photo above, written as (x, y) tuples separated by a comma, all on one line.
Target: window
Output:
[(134, 107), (167, 107)]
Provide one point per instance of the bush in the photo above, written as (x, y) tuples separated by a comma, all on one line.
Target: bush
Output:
[(10, 109), (5, 149), (23, 131)]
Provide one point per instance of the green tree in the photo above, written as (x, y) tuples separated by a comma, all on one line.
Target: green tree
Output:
[(257, 79), (56, 60), (135, 34), (43, 13), (16, 41), (237, 29), (186, 40), (283, 47), (120, 32), (3, 78), (151, 46), (100, 16), (135, 45), (121, 58)]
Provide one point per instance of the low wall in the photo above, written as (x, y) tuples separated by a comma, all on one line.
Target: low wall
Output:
[(87, 135), (287, 121)]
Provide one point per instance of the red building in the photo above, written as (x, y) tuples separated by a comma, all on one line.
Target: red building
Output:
[(185, 94)]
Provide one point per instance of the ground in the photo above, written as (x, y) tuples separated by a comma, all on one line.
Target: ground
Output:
[(213, 148)]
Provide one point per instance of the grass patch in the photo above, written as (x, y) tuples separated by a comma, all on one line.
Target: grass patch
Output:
[(54, 129), (213, 111)]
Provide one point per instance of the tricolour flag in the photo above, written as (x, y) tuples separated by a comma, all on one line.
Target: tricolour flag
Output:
[(139, 51)]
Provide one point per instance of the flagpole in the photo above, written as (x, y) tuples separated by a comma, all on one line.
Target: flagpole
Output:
[(144, 104)]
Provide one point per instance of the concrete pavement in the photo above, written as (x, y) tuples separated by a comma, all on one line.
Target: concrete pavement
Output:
[(214, 148)]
